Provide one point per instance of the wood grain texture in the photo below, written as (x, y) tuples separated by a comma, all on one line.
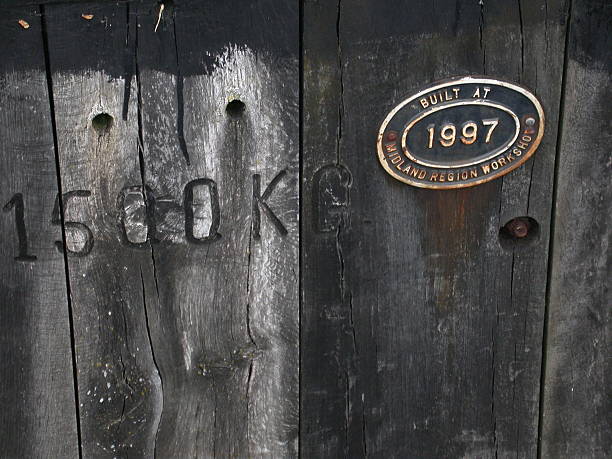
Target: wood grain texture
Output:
[(111, 286), (421, 335), (577, 399), (173, 256), (38, 415), (226, 325)]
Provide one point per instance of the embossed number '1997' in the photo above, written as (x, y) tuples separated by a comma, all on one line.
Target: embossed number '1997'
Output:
[(469, 132), (460, 132)]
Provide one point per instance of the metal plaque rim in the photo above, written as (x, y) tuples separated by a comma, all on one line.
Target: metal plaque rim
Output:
[(449, 82)]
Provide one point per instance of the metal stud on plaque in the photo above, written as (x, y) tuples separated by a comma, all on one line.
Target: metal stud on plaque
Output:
[(460, 132)]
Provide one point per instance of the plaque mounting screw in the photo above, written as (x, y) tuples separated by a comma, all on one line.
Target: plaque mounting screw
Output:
[(520, 232), (518, 227)]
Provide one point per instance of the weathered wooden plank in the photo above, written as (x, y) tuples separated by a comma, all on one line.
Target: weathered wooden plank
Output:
[(577, 400), (38, 415), (226, 259), (421, 329), (106, 219), (36, 3)]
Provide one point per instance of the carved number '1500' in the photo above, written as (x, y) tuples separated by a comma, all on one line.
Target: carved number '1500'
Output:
[(16, 204)]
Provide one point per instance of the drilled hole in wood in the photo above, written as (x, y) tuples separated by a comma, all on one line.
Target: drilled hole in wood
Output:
[(102, 123), (235, 108), (519, 232)]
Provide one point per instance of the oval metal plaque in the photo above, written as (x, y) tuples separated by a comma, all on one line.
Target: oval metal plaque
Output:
[(460, 132)]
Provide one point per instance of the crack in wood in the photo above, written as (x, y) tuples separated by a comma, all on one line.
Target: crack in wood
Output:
[(50, 93)]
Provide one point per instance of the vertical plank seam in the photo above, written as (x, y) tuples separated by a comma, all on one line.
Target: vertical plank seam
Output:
[(180, 108), (520, 14), (341, 77), (551, 235), (146, 201), (300, 212), (521, 76), (49, 78), (248, 328), (481, 26), (144, 302), (344, 291), (494, 332), (347, 401)]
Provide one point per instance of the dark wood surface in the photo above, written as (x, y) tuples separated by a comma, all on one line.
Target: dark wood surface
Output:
[(231, 273), (111, 283), (38, 416), (421, 333), (577, 392), (226, 316), (184, 296)]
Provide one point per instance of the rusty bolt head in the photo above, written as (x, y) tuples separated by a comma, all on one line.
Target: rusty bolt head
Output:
[(392, 136), (518, 228)]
